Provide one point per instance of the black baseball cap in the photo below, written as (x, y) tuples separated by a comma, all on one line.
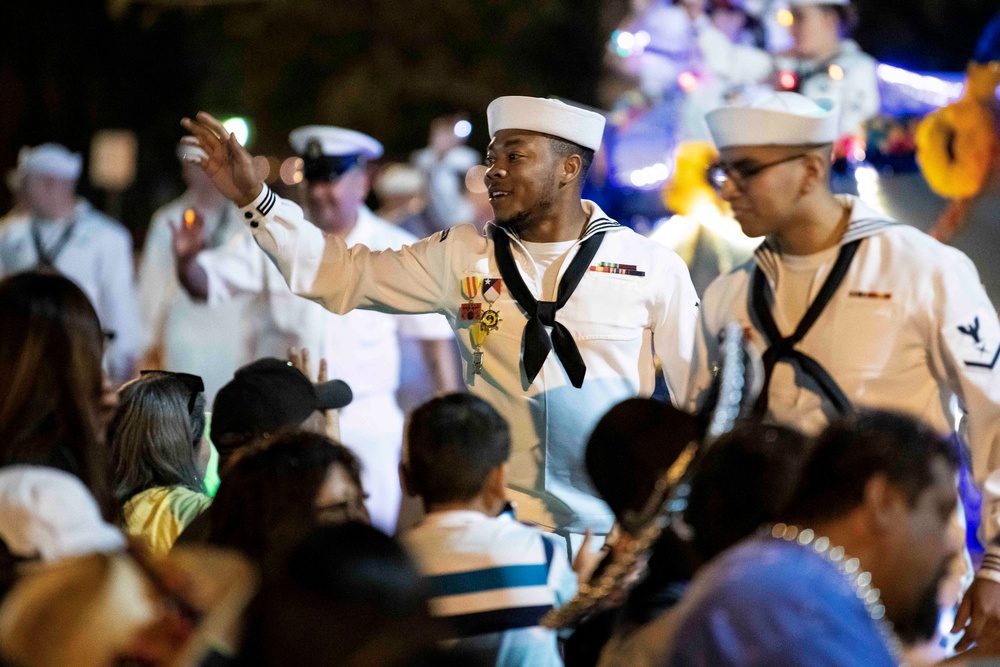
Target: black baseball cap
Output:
[(270, 393)]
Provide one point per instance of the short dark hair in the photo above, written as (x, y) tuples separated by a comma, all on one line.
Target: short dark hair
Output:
[(855, 448), (269, 490), (341, 595), (745, 479), (455, 441), (563, 149)]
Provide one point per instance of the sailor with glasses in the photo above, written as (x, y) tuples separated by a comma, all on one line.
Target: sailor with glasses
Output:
[(850, 308)]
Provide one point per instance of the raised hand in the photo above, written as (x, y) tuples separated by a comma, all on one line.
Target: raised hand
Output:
[(187, 238), (238, 175)]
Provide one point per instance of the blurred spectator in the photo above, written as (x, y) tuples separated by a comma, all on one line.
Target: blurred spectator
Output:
[(66, 234), (493, 578), (47, 515), (853, 574), (444, 162), (745, 479), (823, 63), (263, 398), (400, 189), (119, 609), (267, 396), (346, 595), (181, 334), (52, 405), (155, 440), (285, 485)]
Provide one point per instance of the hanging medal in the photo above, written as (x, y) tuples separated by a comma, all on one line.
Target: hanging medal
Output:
[(492, 288), (477, 336), (471, 310)]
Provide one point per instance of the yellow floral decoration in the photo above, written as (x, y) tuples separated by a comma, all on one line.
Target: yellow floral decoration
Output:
[(957, 144)]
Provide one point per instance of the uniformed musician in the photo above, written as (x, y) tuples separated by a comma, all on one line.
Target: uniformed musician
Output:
[(557, 308), (851, 308)]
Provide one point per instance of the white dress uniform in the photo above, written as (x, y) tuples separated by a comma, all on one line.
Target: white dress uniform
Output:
[(909, 326), (848, 78), (361, 348), (616, 320), (97, 256), (210, 341), (633, 296)]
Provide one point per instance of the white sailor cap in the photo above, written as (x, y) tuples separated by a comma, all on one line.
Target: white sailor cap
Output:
[(50, 160), (399, 179), (775, 119), (184, 150), (806, 3), (329, 151), (553, 117)]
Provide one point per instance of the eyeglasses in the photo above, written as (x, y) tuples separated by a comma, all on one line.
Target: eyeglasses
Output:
[(719, 173), (193, 383)]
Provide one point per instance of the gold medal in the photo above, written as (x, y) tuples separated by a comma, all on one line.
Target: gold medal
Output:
[(490, 320), (477, 335)]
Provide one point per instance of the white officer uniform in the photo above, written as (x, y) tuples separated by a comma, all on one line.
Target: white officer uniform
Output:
[(361, 348), (848, 78), (89, 248), (909, 326), (636, 295), (210, 341)]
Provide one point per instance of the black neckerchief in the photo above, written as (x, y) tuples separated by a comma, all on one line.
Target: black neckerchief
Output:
[(783, 348), (47, 258), (535, 342)]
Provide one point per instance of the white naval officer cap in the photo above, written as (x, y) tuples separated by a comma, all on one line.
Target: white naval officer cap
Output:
[(775, 119), (50, 160), (330, 151), (553, 117)]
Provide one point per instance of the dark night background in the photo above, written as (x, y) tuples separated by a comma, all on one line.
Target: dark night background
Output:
[(385, 67)]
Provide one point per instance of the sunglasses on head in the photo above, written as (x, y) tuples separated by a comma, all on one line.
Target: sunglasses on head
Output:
[(193, 383)]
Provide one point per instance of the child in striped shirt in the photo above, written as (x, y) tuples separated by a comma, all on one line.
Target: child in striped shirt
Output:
[(492, 578)]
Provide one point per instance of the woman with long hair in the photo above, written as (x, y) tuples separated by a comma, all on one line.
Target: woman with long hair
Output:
[(51, 413), (155, 438), (279, 488)]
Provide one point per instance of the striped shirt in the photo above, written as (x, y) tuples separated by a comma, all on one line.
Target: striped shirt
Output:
[(494, 579)]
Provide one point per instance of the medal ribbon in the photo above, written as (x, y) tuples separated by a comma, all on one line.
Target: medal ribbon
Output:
[(536, 342)]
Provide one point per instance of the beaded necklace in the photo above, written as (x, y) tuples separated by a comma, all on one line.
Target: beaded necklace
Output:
[(859, 579)]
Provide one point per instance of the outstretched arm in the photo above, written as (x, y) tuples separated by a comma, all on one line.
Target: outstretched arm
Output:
[(315, 265)]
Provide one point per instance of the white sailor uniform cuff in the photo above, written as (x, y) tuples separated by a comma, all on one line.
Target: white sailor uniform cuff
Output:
[(255, 212), (990, 568)]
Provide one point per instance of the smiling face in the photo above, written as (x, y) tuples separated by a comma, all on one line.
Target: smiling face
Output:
[(522, 178), (333, 205)]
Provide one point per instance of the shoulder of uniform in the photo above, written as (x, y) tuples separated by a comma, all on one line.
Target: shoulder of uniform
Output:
[(909, 244), (726, 284), (105, 222), (463, 234)]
